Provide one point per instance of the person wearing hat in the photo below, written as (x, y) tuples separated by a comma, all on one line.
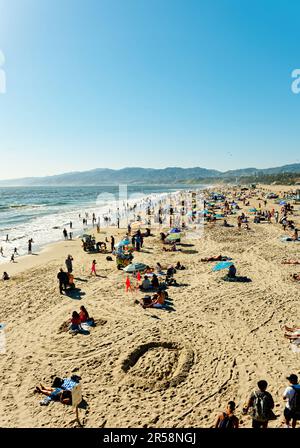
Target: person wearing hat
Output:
[(291, 409)]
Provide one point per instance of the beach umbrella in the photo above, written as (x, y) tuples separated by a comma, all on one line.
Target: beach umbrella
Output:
[(175, 230), (205, 211), (253, 210), (222, 265), (173, 237), (134, 267), (218, 215), (282, 203)]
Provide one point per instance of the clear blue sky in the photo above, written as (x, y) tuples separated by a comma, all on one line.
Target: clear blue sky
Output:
[(152, 83)]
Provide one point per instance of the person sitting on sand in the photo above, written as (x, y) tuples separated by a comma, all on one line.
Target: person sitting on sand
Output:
[(5, 276), (295, 235), (146, 285), (163, 236), (173, 248), (227, 420), (55, 393), (157, 301), (179, 266), (154, 281), (84, 316), (75, 322), (231, 271), (158, 268)]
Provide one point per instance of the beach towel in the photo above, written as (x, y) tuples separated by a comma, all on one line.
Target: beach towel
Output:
[(222, 265)]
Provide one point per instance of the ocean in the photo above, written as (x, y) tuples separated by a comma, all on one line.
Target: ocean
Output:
[(42, 213)]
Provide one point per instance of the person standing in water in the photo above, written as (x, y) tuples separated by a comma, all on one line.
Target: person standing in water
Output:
[(7, 238), (30, 246), (1, 251), (65, 233)]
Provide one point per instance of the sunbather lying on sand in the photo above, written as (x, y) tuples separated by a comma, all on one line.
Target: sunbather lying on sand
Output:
[(172, 249), (291, 329), (296, 277), (55, 393), (290, 262), (217, 258)]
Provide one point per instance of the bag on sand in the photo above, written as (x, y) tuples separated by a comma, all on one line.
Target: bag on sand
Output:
[(262, 411)]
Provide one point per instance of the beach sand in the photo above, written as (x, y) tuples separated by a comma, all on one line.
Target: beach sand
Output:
[(152, 368)]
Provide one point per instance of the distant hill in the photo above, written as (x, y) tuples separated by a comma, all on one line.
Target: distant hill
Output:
[(170, 175)]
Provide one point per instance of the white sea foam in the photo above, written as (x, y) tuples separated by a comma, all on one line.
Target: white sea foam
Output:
[(49, 228)]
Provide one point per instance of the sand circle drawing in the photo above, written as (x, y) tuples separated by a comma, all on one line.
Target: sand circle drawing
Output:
[(156, 365)]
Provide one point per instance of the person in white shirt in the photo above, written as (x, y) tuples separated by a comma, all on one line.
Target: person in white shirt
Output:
[(291, 411)]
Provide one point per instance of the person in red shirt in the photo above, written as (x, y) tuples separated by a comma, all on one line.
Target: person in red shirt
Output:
[(75, 322), (84, 316)]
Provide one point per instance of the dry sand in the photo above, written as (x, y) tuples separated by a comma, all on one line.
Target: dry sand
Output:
[(151, 367)]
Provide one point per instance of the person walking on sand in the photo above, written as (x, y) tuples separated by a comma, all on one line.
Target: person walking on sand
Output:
[(63, 280), (227, 420), (12, 259), (112, 243), (93, 270), (69, 264), (291, 396), (262, 404)]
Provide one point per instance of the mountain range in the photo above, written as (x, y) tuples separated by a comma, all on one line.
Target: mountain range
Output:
[(170, 175)]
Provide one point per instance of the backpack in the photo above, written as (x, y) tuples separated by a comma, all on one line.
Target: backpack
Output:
[(295, 401), (227, 422), (262, 411)]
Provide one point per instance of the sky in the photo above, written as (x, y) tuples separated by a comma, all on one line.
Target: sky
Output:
[(150, 83)]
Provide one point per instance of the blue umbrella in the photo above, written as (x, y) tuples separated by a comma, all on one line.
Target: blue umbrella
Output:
[(282, 203), (222, 265), (175, 230)]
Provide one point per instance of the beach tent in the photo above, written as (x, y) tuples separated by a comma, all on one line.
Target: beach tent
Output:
[(222, 265), (175, 230), (135, 267)]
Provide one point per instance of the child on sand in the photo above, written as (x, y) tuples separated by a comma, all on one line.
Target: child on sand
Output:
[(93, 270)]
